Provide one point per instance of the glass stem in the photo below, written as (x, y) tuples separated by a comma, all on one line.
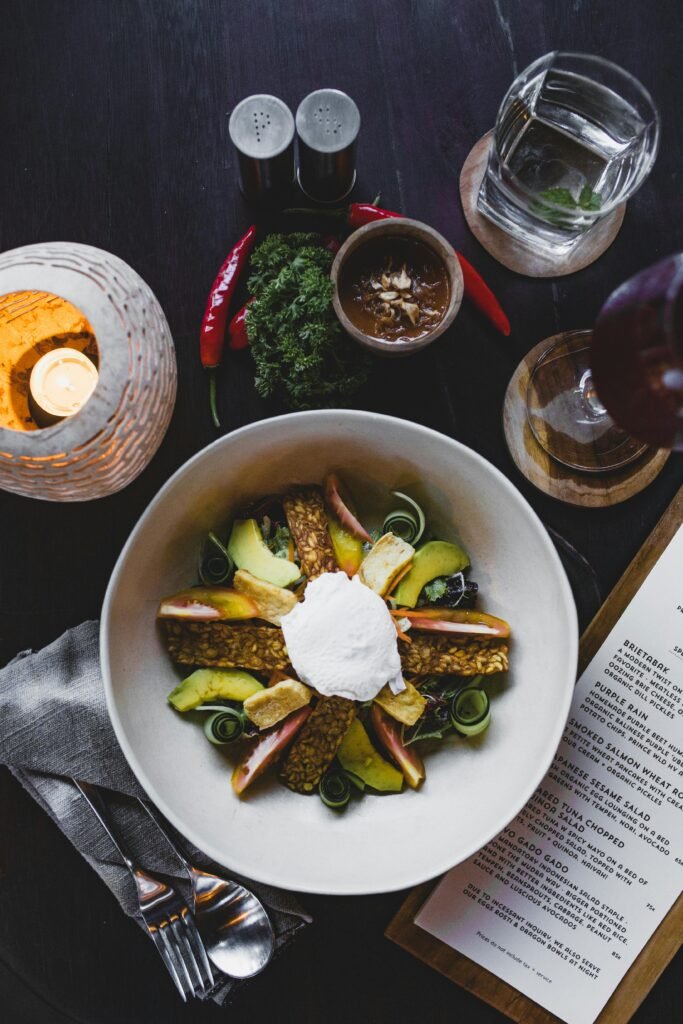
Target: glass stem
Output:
[(594, 407)]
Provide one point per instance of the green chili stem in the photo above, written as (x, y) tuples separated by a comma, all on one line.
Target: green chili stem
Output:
[(213, 399)]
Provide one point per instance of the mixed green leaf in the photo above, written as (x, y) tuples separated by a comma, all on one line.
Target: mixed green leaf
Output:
[(435, 590), (277, 537), (436, 721)]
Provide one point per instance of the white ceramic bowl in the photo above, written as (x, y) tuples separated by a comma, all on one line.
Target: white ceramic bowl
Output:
[(473, 788)]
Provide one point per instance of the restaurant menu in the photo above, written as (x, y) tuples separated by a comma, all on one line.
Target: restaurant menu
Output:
[(560, 904)]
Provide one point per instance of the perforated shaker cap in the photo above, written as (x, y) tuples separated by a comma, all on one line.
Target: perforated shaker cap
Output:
[(261, 126), (327, 120), (327, 123), (262, 131)]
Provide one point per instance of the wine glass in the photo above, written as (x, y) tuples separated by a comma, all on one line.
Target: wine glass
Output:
[(596, 400)]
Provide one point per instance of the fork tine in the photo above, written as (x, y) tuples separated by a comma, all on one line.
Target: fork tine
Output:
[(197, 945), (177, 958), (187, 954), (168, 960)]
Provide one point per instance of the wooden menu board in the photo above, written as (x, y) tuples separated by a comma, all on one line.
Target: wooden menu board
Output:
[(666, 940)]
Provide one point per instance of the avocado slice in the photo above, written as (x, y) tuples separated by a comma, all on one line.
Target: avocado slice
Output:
[(207, 684), (249, 551), (348, 550), (435, 558), (358, 756)]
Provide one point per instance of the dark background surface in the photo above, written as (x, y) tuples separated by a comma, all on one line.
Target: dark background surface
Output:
[(114, 131)]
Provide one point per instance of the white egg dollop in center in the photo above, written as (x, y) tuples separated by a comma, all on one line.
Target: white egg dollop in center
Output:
[(341, 639)]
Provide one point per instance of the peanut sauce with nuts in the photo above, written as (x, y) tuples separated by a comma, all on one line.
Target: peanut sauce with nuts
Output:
[(394, 289)]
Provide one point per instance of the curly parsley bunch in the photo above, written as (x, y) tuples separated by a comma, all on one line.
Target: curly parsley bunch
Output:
[(301, 353)]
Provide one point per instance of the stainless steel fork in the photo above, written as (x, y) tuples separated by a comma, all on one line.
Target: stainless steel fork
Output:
[(166, 916)]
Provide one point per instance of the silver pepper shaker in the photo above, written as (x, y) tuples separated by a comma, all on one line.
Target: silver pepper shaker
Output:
[(262, 131), (327, 123)]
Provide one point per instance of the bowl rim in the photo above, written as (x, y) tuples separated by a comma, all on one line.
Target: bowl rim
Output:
[(433, 240), (267, 876)]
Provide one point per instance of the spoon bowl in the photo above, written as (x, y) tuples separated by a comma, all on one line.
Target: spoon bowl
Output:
[(231, 920)]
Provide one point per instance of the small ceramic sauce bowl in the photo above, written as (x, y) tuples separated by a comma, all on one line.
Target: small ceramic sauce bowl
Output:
[(377, 237)]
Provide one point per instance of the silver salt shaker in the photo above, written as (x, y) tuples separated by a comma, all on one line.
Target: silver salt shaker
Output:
[(262, 131), (327, 124)]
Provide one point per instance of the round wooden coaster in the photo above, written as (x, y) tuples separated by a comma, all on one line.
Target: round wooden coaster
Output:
[(510, 251), (590, 490)]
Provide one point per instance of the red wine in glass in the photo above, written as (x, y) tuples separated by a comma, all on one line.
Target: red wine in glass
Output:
[(637, 354)]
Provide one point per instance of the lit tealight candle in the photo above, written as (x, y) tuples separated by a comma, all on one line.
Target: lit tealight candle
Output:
[(61, 383)]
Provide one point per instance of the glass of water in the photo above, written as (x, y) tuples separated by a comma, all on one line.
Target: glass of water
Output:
[(575, 136)]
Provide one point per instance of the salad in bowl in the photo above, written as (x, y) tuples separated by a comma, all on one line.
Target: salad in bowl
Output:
[(332, 655)]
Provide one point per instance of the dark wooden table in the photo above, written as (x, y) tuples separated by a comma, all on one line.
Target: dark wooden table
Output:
[(114, 131)]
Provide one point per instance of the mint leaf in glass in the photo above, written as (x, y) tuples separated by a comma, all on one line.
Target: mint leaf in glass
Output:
[(558, 196), (588, 199)]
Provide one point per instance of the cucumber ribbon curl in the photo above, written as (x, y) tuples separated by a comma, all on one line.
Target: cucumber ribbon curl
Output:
[(334, 790), (406, 523), (215, 565), (224, 725), (470, 711)]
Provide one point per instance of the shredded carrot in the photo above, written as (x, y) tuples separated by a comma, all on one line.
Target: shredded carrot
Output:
[(403, 572)]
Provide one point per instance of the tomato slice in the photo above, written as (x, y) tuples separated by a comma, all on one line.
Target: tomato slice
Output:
[(451, 620), (267, 749), (341, 510), (206, 603), (407, 758)]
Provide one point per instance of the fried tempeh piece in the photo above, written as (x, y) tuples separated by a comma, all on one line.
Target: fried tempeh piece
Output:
[(272, 602), (384, 563), (307, 521), (406, 706), (267, 707), (442, 655), (316, 745), (226, 645)]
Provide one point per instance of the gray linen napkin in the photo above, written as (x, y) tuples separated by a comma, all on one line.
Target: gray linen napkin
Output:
[(68, 734)]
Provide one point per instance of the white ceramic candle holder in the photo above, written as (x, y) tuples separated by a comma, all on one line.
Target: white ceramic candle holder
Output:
[(112, 438)]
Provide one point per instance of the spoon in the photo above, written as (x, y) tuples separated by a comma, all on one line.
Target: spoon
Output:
[(232, 921)]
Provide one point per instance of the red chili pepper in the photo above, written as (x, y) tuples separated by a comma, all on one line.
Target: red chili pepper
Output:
[(476, 288), (365, 213), (212, 332), (481, 296), (237, 328)]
